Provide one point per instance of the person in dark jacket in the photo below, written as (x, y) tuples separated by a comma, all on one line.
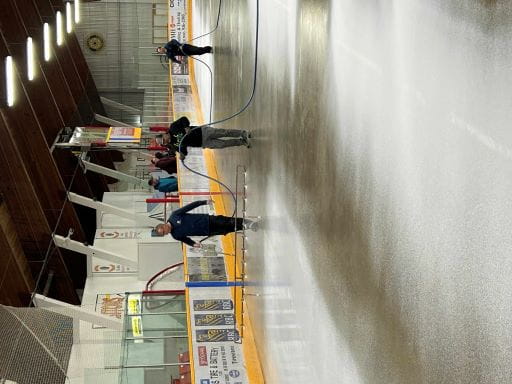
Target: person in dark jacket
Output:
[(174, 48), (164, 184), (206, 137), (181, 224), (167, 163)]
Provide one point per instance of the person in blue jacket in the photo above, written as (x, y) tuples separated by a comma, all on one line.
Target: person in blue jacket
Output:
[(174, 48), (165, 184), (182, 224)]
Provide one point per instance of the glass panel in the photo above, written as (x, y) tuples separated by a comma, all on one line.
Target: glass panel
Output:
[(153, 303), (155, 343)]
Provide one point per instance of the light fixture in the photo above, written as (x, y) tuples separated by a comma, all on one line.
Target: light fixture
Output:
[(60, 38), (9, 80), (77, 12), (46, 41), (69, 18), (30, 58)]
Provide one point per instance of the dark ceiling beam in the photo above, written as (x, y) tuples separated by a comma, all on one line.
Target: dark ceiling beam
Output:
[(28, 216), (81, 65), (42, 98), (34, 180), (46, 11), (50, 72), (25, 129), (67, 63), (40, 89), (78, 76), (23, 122), (15, 276)]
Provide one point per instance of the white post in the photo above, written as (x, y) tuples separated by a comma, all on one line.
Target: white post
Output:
[(141, 220), (77, 312), (72, 245), (113, 173), (109, 121), (122, 107)]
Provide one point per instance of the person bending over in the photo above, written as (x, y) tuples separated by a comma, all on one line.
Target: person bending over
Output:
[(181, 224), (174, 48), (205, 137)]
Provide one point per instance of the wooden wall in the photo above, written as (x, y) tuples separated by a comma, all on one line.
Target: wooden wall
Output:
[(33, 179)]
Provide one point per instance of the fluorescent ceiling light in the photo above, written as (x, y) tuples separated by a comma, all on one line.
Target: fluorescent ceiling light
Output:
[(30, 58), (46, 41), (77, 11), (60, 37), (9, 80), (69, 18)]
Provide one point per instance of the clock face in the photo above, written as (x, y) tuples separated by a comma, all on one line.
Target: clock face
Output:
[(95, 42)]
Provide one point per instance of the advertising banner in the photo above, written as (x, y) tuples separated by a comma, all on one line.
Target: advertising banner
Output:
[(124, 135), (183, 104), (204, 268), (110, 304), (218, 357), (102, 266), (119, 234)]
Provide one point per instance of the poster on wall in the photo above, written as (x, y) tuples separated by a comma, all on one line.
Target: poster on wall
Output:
[(208, 249), (212, 305), (206, 269), (178, 29), (178, 22), (180, 73), (102, 266), (178, 80), (124, 135), (118, 234), (214, 335), (182, 98), (218, 357), (183, 101), (109, 304), (209, 319), (126, 239)]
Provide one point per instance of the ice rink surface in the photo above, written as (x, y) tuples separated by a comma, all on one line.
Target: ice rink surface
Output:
[(382, 166)]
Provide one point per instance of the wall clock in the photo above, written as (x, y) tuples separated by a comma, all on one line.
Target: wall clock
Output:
[(95, 42)]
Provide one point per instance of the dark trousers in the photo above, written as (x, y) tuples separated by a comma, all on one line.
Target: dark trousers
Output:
[(223, 138), (222, 225), (190, 50)]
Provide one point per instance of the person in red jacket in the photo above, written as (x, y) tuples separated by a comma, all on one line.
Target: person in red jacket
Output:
[(167, 163)]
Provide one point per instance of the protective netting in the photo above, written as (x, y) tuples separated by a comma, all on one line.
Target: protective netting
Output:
[(42, 346), (36, 345)]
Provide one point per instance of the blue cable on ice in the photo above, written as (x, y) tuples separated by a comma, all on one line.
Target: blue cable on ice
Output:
[(249, 101)]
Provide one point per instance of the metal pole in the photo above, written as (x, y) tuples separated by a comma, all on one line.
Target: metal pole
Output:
[(113, 173), (156, 313), (155, 365), (158, 337), (120, 106), (112, 122), (140, 219), (169, 200), (202, 284)]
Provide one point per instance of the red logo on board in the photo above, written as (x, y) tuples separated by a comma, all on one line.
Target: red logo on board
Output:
[(203, 356)]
